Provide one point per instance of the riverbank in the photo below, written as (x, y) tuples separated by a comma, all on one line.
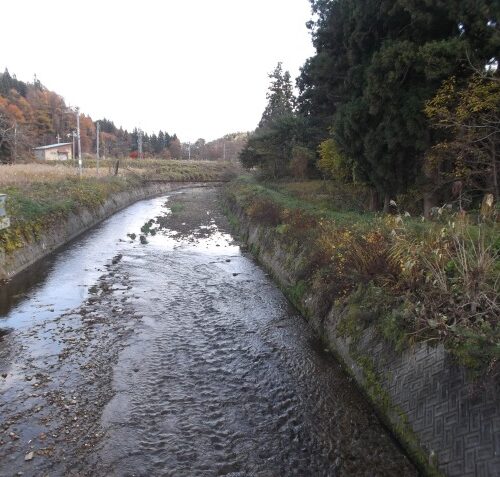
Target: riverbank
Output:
[(174, 355), (361, 280), (49, 205)]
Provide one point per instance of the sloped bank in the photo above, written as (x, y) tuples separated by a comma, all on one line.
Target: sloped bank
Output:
[(421, 393), (35, 246)]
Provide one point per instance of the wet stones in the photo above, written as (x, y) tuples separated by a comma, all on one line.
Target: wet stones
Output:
[(117, 259)]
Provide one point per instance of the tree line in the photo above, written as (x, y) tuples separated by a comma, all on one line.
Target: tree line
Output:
[(31, 115), (403, 96), (226, 148)]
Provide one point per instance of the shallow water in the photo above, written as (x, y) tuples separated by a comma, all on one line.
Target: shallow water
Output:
[(211, 371)]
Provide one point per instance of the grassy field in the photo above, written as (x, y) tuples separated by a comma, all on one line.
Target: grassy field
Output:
[(418, 280)]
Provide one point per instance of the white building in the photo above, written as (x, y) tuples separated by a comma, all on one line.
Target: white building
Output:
[(54, 152)]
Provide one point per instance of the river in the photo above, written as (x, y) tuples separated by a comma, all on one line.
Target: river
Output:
[(175, 357)]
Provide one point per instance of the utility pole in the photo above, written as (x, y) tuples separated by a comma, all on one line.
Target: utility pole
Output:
[(224, 150), (79, 141), (14, 149), (98, 132), (189, 150), (139, 143), (72, 134), (58, 138)]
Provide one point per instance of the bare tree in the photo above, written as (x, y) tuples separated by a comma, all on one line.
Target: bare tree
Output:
[(16, 139), (7, 138)]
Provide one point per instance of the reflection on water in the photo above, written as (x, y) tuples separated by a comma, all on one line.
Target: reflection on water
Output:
[(61, 281)]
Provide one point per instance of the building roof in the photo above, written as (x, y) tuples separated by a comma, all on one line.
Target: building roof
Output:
[(50, 146)]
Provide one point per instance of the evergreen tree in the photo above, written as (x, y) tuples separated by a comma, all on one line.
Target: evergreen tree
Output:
[(161, 142), (376, 65), (280, 98), (5, 83), (270, 146), (107, 126), (134, 136)]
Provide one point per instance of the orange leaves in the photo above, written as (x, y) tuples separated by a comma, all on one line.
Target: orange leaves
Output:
[(13, 113)]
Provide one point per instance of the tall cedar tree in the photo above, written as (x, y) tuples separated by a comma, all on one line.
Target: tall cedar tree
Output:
[(280, 98), (270, 146), (376, 64)]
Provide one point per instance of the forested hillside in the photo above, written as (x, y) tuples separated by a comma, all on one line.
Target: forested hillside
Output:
[(31, 115), (402, 97)]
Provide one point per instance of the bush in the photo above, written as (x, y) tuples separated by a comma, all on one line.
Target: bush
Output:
[(368, 256), (299, 221), (264, 211), (451, 273)]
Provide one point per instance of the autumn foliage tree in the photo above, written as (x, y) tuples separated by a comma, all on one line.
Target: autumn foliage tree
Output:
[(175, 148), (333, 163), (227, 147), (31, 115), (467, 159)]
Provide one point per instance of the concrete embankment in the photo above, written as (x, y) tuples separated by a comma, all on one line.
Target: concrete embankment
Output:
[(77, 222), (449, 424)]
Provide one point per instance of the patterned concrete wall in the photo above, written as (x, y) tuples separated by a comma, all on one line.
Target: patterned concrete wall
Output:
[(456, 422)]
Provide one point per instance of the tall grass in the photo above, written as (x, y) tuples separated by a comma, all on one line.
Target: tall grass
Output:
[(147, 169), (17, 174)]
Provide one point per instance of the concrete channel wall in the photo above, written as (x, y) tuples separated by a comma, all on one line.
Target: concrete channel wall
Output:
[(448, 424), (77, 223)]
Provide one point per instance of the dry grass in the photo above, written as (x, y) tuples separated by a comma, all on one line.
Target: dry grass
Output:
[(329, 194), (154, 169), (17, 174), (148, 169)]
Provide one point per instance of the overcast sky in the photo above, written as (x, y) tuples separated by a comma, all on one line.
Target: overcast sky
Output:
[(195, 67)]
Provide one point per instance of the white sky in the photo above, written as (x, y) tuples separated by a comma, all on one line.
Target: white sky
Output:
[(194, 67)]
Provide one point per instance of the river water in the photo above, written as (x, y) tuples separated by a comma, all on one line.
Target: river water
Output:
[(175, 357)]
